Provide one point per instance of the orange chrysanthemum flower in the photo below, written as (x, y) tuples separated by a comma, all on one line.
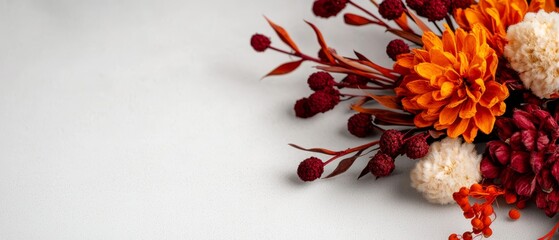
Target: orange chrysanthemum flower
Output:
[(497, 15), (450, 83)]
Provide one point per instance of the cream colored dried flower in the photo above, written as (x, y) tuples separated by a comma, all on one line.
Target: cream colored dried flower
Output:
[(449, 165), (533, 51)]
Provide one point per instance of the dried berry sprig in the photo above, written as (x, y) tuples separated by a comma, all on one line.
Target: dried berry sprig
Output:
[(481, 213)]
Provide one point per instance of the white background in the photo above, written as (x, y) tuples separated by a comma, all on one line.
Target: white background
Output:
[(148, 120)]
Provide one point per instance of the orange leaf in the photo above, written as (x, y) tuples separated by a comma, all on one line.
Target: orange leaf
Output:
[(322, 43), (285, 68), (344, 165), (419, 22), (356, 20), (402, 22), (387, 101), (412, 37), (283, 35), (364, 60)]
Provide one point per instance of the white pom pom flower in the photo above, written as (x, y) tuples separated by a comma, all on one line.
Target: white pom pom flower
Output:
[(533, 51), (449, 165)]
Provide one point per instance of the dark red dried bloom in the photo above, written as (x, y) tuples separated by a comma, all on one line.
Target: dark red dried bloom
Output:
[(310, 169), (415, 4), (416, 147), (355, 80), (391, 141), (396, 47), (360, 125), (381, 165), (391, 9), (303, 109), (328, 8), (324, 100), (260, 42), (461, 4), (320, 80), (435, 10), (525, 159)]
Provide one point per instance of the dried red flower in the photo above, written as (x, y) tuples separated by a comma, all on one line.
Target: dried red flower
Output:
[(391, 141), (360, 125), (460, 4), (328, 8), (260, 42), (525, 158), (320, 101), (415, 4), (396, 47), (435, 10), (391, 9), (310, 169), (416, 147), (381, 165), (355, 80), (302, 108), (320, 80)]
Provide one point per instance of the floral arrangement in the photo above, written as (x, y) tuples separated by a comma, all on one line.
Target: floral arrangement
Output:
[(464, 73)]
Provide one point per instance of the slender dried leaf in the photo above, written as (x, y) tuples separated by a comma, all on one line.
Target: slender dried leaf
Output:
[(419, 22), (402, 22), (364, 60), (285, 68), (283, 35), (356, 20), (322, 43), (387, 117), (344, 165), (316, 150), (387, 101), (364, 172), (412, 37)]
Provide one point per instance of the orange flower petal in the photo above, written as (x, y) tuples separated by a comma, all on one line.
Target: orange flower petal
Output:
[(419, 86), (468, 109), (458, 128), (470, 133), (484, 119), (449, 115), (428, 70)]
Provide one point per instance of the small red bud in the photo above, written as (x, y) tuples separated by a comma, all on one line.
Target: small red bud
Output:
[(320, 80), (397, 47), (391, 141), (381, 165), (310, 169), (391, 9), (360, 125), (416, 147), (260, 42), (328, 8)]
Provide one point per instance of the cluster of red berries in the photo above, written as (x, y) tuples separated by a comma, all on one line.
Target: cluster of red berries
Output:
[(436, 10), (482, 214), (397, 47), (260, 42), (324, 98)]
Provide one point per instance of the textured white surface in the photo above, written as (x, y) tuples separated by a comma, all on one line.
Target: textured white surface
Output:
[(147, 120)]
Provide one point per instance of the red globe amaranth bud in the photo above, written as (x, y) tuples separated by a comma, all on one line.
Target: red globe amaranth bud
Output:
[(260, 42), (416, 147), (328, 8), (461, 4), (391, 141), (396, 47), (391, 9), (310, 169), (303, 109), (415, 4), (435, 10), (320, 80), (355, 80), (381, 165), (324, 100), (360, 125)]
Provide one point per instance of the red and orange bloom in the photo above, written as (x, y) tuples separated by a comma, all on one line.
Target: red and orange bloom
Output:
[(450, 83)]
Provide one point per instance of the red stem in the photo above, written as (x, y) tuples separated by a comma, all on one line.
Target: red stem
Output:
[(550, 234), (350, 150)]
